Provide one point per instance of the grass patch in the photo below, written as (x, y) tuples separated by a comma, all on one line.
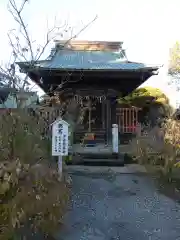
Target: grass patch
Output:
[(169, 188)]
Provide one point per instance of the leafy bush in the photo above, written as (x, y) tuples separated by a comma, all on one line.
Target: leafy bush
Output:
[(31, 193), (154, 104), (145, 96), (159, 146)]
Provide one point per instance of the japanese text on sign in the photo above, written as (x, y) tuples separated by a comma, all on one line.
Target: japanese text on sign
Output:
[(60, 139)]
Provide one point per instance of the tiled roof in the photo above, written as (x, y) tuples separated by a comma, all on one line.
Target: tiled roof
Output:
[(88, 55), (73, 59)]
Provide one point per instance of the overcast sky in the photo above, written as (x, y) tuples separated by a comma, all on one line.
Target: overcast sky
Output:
[(147, 27)]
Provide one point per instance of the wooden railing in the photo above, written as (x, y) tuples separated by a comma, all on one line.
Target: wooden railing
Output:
[(127, 120)]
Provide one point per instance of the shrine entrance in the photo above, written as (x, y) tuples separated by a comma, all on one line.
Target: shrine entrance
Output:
[(94, 120), (94, 116)]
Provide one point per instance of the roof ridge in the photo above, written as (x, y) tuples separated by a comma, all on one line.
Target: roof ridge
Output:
[(88, 45)]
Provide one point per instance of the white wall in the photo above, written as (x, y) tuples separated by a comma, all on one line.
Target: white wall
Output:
[(12, 103)]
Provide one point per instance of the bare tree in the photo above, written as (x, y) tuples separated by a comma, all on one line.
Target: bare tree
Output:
[(23, 47), (174, 65), (26, 49)]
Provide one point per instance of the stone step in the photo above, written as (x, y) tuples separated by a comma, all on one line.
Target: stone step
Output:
[(101, 162), (107, 159), (100, 155)]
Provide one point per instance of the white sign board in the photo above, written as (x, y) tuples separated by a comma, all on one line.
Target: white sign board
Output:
[(115, 140), (60, 138)]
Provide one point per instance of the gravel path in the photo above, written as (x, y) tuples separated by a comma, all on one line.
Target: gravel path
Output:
[(108, 204)]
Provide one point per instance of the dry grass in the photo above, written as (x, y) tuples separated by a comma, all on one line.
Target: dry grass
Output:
[(160, 147), (30, 191), (159, 151)]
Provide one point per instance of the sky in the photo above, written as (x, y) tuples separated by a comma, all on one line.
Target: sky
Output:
[(148, 28)]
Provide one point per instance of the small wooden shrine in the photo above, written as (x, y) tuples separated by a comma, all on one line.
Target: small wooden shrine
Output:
[(95, 73)]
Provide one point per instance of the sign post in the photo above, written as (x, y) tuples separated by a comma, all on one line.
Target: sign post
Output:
[(115, 140), (60, 141)]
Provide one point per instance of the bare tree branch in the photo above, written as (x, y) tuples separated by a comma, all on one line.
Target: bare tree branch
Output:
[(22, 6), (83, 29), (19, 19), (19, 50), (48, 40)]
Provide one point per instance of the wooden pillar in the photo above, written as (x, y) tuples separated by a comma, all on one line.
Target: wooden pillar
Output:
[(103, 117), (113, 105), (108, 121), (113, 111)]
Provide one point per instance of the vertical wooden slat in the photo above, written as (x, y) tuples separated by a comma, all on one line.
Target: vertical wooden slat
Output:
[(135, 113), (103, 117), (123, 118), (136, 117), (128, 129), (132, 115), (122, 115), (129, 120), (126, 120), (126, 123), (119, 122), (125, 112)]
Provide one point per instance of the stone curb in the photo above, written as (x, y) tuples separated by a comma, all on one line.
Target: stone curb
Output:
[(127, 169)]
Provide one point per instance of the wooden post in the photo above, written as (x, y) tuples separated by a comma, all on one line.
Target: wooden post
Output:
[(138, 130), (60, 167), (107, 121), (60, 141), (103, 114), (89, 106)]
